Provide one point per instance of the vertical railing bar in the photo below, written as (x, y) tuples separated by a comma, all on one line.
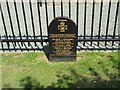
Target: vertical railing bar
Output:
[(92, 20), (2, 46), (37, 46), (108, 18), (9, 14), (46, 15), (101, 7), (116, 17), (14, 46), (25, 46), (85, 20), (31, 46), (33, 27), (77, 14), (69, 9), (12, 43), (54, 8), (17, 20), (39, 16), (24, 16), (20, 46), (1, 41), (4, 25), (9, 42), (61, 8)]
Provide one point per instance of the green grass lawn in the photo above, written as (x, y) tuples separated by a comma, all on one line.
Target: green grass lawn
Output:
[(32, 69)]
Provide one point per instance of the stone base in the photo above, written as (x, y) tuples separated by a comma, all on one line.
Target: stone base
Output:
[(62, 58)]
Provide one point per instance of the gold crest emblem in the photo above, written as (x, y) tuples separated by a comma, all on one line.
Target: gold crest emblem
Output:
[(62, 27)]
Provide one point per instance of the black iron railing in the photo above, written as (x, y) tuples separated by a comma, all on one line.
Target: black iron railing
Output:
[(25, 41)]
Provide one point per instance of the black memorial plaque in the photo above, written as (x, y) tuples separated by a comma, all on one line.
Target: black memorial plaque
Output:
[(62, 37)]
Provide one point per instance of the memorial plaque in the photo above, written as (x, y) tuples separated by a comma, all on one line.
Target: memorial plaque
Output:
[(62, 36)]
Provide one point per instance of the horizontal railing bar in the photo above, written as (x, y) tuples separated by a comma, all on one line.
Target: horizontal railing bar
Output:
[(98, 40), (46, 40), (12, 49), (25, 40), (110, 36), (32, 49), (98, 48)]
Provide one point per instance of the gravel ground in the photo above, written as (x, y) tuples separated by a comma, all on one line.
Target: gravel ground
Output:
[(50, 18)]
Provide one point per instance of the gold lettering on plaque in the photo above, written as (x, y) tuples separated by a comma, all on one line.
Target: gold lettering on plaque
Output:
[(62, 44), (62, 27)]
